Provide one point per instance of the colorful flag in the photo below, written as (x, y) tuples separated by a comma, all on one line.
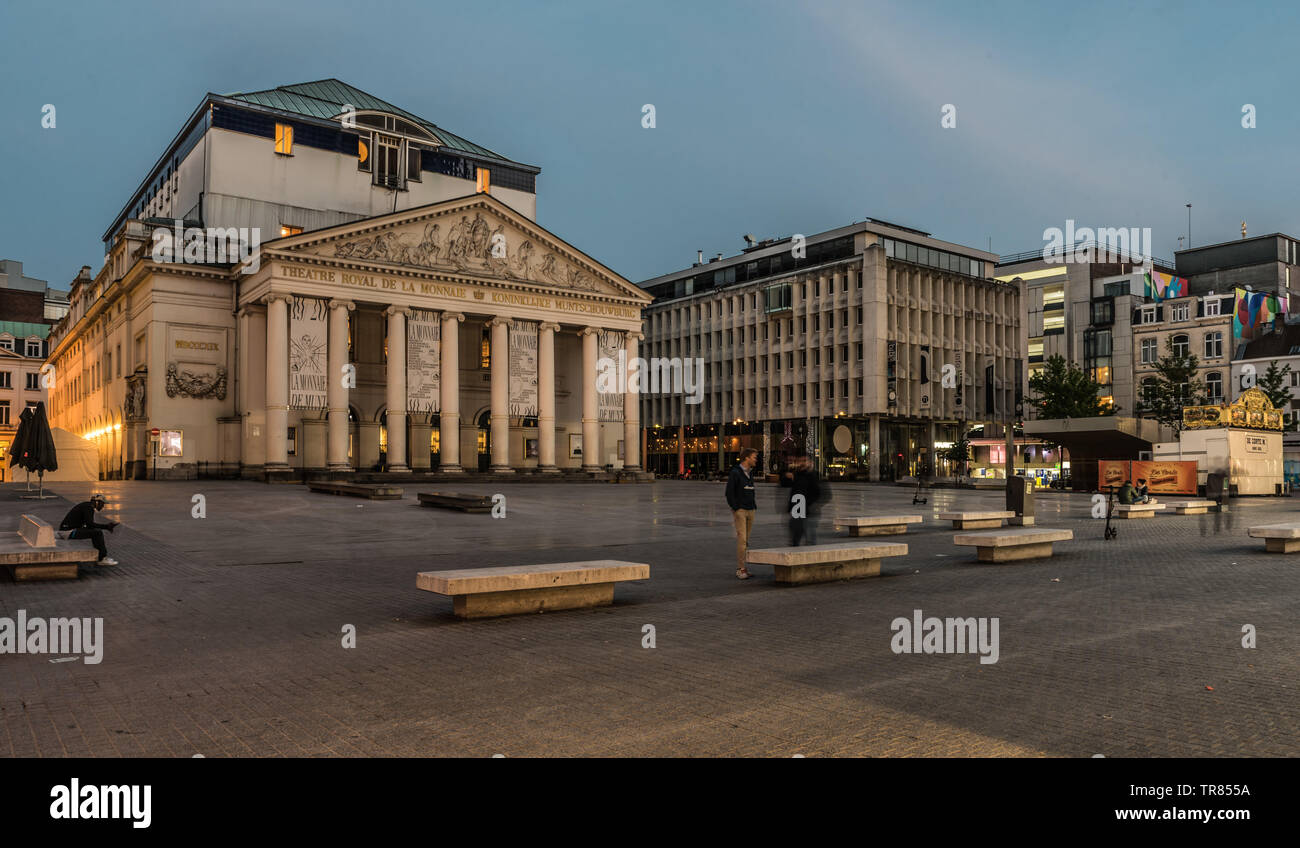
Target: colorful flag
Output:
[(1164, 286), (1254, 313)]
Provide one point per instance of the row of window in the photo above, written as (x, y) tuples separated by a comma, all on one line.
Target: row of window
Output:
[(33, 380), (32, 347), (1150, 348), (941, 259), (5, 418), (1213, 388)]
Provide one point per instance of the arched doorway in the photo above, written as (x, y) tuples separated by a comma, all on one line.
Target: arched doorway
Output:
[(484, 440)]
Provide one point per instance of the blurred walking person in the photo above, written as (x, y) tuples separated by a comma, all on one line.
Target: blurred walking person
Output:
[(805, 498)]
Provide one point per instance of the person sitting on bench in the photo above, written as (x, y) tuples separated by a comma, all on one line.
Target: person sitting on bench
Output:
[(1142, 495), (79, 523), (1127, 494)]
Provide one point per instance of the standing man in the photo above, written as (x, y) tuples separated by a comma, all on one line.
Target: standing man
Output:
[(740, 497), (79, 523)]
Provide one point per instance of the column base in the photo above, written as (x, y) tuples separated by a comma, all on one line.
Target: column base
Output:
[(450, 469), (276, 466), (501, 469), (398, 469), (548, 469), (337, 467), (593, 469), (636, 469)]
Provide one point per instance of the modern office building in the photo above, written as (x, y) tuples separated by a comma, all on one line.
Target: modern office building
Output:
[(869, 347), (1080, 309), (311, 280)]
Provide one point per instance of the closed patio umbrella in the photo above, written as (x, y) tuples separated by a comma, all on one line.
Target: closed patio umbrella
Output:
[(39, 453), (18, 448)]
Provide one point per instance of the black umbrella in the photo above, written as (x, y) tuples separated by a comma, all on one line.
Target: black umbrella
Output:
[(18, 449), (39, 454)]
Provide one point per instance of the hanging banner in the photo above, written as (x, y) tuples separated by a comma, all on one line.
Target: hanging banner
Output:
[(308, 359), (925, 378), (609, 346), (1112, 472), (1165, 477), (423, 362), (1254, 313), (1160, 287), (523, 369)]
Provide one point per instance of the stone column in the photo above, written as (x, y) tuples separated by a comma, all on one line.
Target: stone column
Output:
[(449, 394), (500, 419), (277, 382), (874, 452), (632, 408), (590, 405), (546, 398), (337, 450), (1011, 450), (396, 383)]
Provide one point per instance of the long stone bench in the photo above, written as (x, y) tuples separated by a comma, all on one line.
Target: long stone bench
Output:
[(1190, 507), (1281, 538), (455, 500), (877, 525), (1134, 511), (1013, 543), (511, 590), (824, 563), (373, 491), (976, 520), (35, 553)]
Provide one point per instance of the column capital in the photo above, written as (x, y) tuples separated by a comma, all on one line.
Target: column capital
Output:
[(590, 331), (634, 336), (343, 304), (404, 311), (498, 320), (453, 316), (254, 308), (274, 296), (549, 325)]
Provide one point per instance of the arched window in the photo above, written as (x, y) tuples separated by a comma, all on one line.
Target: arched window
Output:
[(1181, 345), (1214, 387)]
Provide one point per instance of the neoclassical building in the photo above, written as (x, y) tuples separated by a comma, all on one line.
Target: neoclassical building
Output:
[(313, 280), (456, 336)]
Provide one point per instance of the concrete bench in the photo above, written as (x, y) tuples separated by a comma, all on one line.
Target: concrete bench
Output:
[(35, 553), (510, 590), (975, 520), (372, 491), (982, 483), (1013, 543), (1132, 511), (454, 500), (1191, 507), (1278, 538), (877, 525), (823, 563)]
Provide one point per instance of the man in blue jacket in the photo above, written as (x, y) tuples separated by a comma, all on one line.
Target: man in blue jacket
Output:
[(740, 497)]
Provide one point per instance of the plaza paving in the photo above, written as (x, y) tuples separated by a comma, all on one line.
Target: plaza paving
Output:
[(223, 634)]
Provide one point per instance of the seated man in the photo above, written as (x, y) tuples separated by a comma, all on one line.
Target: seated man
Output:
[(1127, 494), (79, 523), (1143, 496)]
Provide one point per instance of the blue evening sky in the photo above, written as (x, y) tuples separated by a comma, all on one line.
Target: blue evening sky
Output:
[(772, 117)]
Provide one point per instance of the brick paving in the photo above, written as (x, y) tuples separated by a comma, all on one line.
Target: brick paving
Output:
[(223, 634)]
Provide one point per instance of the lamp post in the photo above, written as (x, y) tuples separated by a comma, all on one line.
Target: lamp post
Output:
[(1189, 226)]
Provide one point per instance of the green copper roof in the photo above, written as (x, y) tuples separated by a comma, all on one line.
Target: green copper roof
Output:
[(325, 99), (24, 329)]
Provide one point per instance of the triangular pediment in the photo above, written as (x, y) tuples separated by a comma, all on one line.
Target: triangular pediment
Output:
[(477, 237)]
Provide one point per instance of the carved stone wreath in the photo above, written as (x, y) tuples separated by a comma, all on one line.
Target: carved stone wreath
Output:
[(189, 384)]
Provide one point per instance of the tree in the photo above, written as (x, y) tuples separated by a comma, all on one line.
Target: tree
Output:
[(959, 454), (1174, 386), (1276, 384), (1063, 390)]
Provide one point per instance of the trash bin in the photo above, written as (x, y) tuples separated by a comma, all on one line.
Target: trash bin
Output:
[(1020, 500)]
